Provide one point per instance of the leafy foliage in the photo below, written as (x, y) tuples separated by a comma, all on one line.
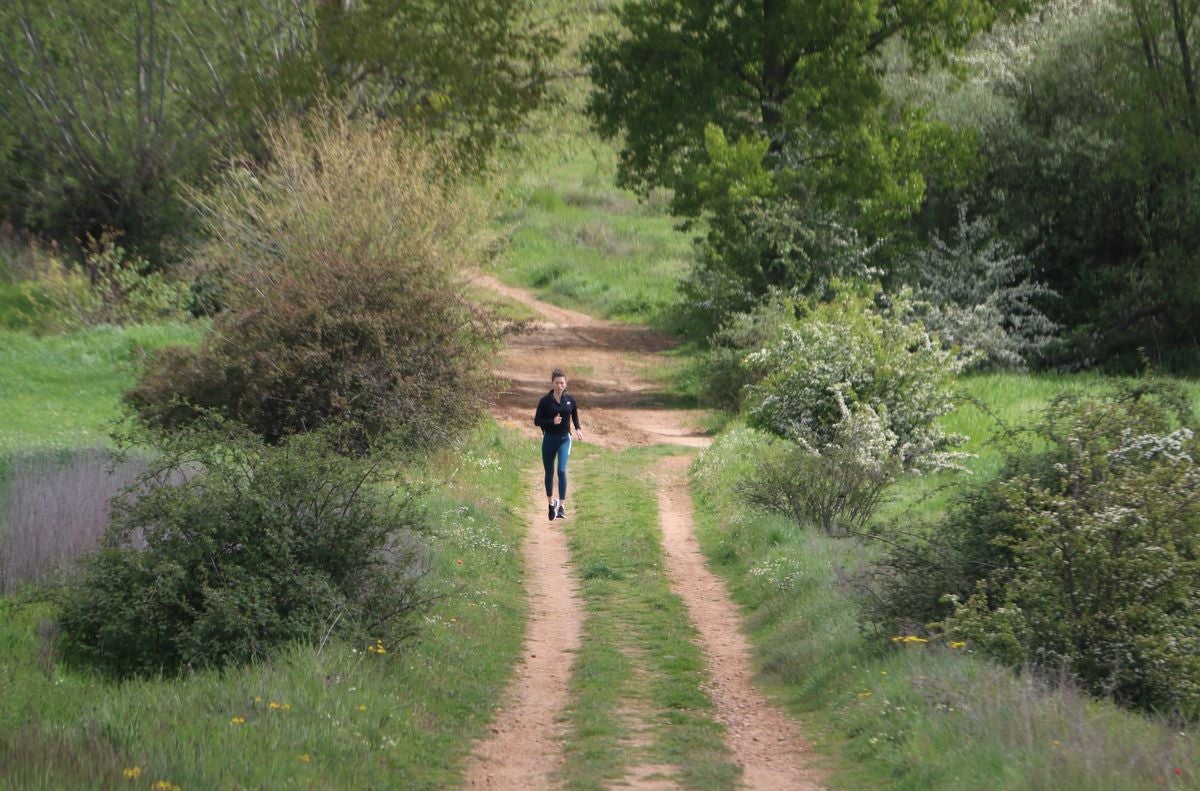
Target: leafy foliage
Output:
[(228, 548), (850, 355), (345, 263), (107, 108), (1089, 147), (770, 122), (1083, 554), (975, 293)]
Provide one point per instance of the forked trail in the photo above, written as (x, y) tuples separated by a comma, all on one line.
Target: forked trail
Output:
[(606, 363)]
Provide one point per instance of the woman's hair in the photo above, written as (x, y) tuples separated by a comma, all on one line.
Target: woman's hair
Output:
[(557, 372)]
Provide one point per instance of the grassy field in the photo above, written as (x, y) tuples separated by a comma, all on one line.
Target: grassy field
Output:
[(332, 717), (582, 243), (63, 391)]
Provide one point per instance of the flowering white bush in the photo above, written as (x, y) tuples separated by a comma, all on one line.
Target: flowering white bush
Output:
[(975, 293), (856, 393), (849, 358)]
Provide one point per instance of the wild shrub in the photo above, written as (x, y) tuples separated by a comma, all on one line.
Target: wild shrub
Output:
[(975, 293), (243, 547), (1083, 555), (111, 285), (856, 392), (838, 487), (344, 265)]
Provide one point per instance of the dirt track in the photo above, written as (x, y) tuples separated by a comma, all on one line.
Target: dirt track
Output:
[(606, 364)]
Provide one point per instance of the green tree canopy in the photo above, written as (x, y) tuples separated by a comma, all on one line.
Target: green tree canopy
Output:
[(803, 75), (107, 106)]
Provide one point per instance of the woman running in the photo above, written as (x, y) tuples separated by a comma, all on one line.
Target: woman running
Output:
[(556, 411)]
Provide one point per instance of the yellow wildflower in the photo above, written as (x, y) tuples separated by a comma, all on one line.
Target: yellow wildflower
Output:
[(133, 772), (957, 644), (362, 708), (237, 720), (305, 758)]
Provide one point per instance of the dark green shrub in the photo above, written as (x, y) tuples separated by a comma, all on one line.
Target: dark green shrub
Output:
[(228, 548), (345, 263), (725, 373), (1083, 554)]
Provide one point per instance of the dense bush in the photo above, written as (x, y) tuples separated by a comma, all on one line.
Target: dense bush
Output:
[(1083, 554), (850, 354), (227, 548), (975, 293), (851, 391), (344, 266)]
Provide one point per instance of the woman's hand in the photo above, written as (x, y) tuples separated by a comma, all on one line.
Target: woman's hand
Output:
[(579, 434), (557, 419)]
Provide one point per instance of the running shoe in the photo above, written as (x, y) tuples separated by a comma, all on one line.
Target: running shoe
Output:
[(560, 513), (555, 509)]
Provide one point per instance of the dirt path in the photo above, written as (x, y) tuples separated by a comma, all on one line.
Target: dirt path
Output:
[(769, 747), (606, 364), (523, 751)]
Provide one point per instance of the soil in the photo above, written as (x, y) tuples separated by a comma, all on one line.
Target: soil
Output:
[(607, 366)]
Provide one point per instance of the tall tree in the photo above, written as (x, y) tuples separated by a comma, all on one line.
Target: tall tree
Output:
[(769, 119), (803, 75), (106, 106)]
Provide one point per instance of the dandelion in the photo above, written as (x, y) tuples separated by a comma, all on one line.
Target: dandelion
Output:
[(957, 644), (165, 785), (132, 772), (237, 720), (362, 707), (908, 638), (864, 694), (377, 648), (305, 758), (279, 706)]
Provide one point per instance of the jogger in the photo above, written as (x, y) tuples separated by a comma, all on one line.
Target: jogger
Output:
[(556, 412)]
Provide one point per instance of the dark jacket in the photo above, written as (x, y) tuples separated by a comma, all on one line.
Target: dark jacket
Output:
[(547, 408)]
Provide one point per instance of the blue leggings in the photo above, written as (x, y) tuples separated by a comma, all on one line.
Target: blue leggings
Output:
[(556, 445)]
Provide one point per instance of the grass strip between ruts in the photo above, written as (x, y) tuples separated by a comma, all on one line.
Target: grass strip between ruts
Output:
[(637, 687)]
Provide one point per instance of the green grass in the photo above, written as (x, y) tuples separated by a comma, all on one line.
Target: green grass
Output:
[(582, 243), (64, 390), (639, 660), (343, 717)]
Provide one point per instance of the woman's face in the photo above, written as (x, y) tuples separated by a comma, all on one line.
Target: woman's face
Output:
[(560, 385)]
